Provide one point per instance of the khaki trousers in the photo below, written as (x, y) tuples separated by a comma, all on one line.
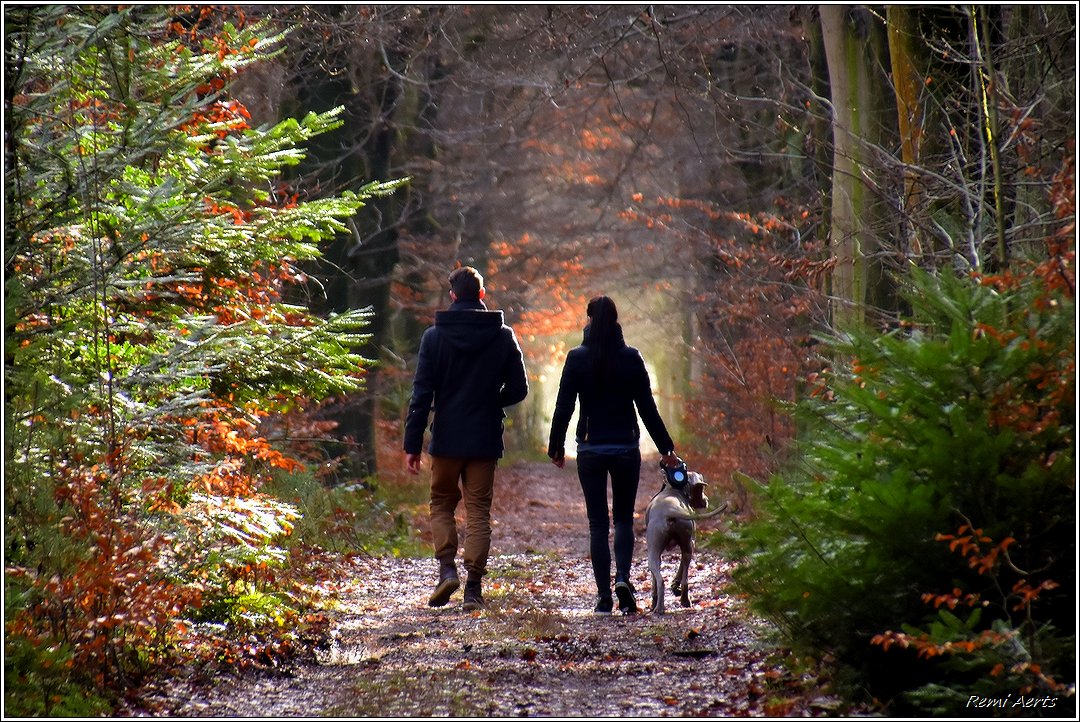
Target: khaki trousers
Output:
[(477, 482)]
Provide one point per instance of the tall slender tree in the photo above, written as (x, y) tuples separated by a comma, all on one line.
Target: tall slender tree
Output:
[(381, 65), (864, 123)]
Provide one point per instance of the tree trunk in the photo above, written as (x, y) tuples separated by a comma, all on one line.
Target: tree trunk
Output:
[(909, 79), (357, 270), (864, 121), (820, 153)]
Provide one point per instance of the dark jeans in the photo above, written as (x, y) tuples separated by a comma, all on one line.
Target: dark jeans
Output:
[(593, 471)]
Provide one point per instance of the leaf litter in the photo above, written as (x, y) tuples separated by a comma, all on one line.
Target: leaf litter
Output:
[(535, 649)]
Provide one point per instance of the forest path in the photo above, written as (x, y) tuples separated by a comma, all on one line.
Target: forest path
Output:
[(536, 649)]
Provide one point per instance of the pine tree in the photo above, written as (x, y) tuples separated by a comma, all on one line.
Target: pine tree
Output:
[(148, 243), (932, 491)]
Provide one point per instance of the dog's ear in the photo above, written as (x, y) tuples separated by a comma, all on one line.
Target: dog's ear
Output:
[(698, 500)]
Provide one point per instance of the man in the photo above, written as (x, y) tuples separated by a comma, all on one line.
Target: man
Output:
[(469, 368)]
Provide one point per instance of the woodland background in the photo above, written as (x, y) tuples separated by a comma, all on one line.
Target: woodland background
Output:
[(843, 237)]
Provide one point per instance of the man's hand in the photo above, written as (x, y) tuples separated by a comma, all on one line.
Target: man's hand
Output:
[(412, 463), (559, 461), (670, 460)]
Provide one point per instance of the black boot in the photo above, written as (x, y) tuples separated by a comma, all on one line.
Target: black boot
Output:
[(473, 597), (624, 590), (448, 584)]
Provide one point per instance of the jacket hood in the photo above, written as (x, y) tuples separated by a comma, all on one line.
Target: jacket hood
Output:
[(469, 326)]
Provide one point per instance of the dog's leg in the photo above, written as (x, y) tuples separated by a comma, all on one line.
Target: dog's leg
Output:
[(678, 584), (657, 580), (682, 579)]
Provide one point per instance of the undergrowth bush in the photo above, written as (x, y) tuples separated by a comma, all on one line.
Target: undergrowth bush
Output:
[(365, 517), (923, 534)]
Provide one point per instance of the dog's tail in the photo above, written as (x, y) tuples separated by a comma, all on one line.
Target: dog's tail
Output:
[(692, 516)]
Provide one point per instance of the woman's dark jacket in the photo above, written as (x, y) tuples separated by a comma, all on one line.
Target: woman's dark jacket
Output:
[(469, 368), (607, 401)]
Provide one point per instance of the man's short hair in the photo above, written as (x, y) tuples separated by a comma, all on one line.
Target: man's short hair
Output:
[(466, 283)]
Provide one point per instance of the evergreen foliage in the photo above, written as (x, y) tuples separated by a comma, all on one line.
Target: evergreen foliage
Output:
[(148, 244), (933, 491)]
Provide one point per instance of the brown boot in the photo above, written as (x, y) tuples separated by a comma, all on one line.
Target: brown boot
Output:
[(474, 599), (448, 584)]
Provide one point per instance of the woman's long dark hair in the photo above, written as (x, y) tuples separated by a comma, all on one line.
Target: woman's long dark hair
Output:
[(604, 336)]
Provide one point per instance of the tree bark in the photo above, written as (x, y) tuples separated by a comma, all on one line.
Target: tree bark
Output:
[(909, 80), (357, 270), (864, 120)]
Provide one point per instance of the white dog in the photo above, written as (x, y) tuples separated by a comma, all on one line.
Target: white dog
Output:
[(670, 521)]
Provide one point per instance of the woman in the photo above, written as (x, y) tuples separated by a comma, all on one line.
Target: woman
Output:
[(610, 378)]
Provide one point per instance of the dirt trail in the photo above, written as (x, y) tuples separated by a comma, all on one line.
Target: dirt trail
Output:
[(536, 649)]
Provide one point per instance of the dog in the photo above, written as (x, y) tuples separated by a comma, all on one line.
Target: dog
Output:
[(670, 521)]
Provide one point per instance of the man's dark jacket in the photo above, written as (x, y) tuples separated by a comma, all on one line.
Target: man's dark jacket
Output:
[(607, 402), (469, 368)]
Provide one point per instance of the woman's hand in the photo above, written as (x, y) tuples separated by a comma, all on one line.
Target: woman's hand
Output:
[(559, 460), (670, 459)]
